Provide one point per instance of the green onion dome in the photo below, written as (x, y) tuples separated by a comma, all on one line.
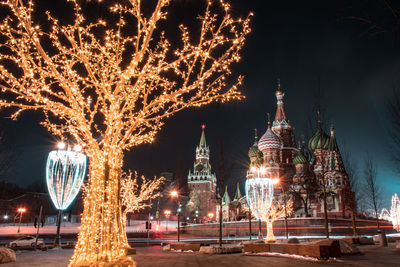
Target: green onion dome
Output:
[(320, 140), (254, 152), (300, 158)]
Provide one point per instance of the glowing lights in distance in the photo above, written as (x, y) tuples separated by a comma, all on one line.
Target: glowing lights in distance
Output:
[(167, 212), (174, 193), (21, 210)]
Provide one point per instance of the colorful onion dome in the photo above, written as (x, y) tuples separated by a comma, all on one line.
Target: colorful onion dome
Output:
[(300, 158), (269, 140), (254, 152), (320, 140)]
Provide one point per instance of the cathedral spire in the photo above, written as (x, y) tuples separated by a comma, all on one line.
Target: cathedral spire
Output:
[(319, 117), (238, 194), (280, 115), (226, 199)]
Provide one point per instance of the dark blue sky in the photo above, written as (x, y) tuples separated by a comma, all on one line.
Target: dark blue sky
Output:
[(298, 41)]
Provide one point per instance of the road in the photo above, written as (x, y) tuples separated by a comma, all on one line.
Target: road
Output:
[(373, 256)]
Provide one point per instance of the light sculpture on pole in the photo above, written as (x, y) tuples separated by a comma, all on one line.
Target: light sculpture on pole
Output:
[(65, 171), (259, 193)]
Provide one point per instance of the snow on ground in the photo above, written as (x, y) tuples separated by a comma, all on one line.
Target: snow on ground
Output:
[(73, 228), (292, 256)]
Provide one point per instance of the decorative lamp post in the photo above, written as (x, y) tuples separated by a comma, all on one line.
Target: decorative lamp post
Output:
[(259, 194), (175, 194), (167, 213), (65, 171), (21, 211)]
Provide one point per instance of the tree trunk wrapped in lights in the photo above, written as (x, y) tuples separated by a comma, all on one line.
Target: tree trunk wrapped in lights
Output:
[(110, 86), (279, 208), (135, 197)]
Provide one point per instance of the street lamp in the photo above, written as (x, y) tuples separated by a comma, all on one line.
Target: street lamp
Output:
[(65, 171), (167, 213), (21, 211), (175, 194), (210, 215), (5, 217)]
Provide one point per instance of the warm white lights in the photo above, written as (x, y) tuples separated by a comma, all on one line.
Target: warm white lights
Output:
[(61, 145), (110, 85), (394, 214), (263, 204)]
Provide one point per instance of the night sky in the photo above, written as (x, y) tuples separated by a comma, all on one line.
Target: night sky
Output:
[(308, 45)]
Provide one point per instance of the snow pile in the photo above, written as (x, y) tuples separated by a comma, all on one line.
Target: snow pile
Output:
[(220, 250), (292, 256), (7, 255), (347, 248)]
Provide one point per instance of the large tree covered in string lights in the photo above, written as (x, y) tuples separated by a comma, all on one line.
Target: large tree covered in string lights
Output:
[(110, 84)]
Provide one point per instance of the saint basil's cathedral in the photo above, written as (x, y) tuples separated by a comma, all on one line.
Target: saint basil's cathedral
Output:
[(305, 173)]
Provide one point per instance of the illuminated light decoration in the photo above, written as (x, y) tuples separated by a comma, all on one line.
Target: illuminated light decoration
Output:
[(394, 214), (262, 202), (259, 194), (111, 85), (65, 171)]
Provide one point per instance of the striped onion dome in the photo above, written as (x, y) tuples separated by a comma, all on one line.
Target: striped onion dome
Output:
[(300, 158), (320, 140), (254, 152), (269, 140)]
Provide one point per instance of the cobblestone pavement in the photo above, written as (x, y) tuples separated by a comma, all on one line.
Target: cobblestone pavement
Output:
[(372, 256)]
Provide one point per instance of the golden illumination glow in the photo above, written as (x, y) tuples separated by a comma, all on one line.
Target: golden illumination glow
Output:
[(167, 212), (61, 145), (110, 86), (21, 210), (275, 181), (279, 208), (174, 193)]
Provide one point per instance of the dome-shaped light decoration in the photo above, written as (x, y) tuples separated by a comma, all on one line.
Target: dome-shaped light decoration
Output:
[(65, 171), (259, 193)]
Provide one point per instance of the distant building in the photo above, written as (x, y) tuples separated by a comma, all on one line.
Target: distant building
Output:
[(233, 210), (201, 180)]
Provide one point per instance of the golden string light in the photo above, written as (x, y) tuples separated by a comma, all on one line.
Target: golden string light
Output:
[(278, 209), (90, 88)]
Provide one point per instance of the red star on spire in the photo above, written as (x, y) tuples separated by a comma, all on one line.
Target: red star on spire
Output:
[(203, 126)]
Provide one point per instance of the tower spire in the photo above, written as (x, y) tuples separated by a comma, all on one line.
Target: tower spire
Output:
[(280, 115), (319, 117), (269, 119), (203, 137), (278, 82), (238, 194)]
